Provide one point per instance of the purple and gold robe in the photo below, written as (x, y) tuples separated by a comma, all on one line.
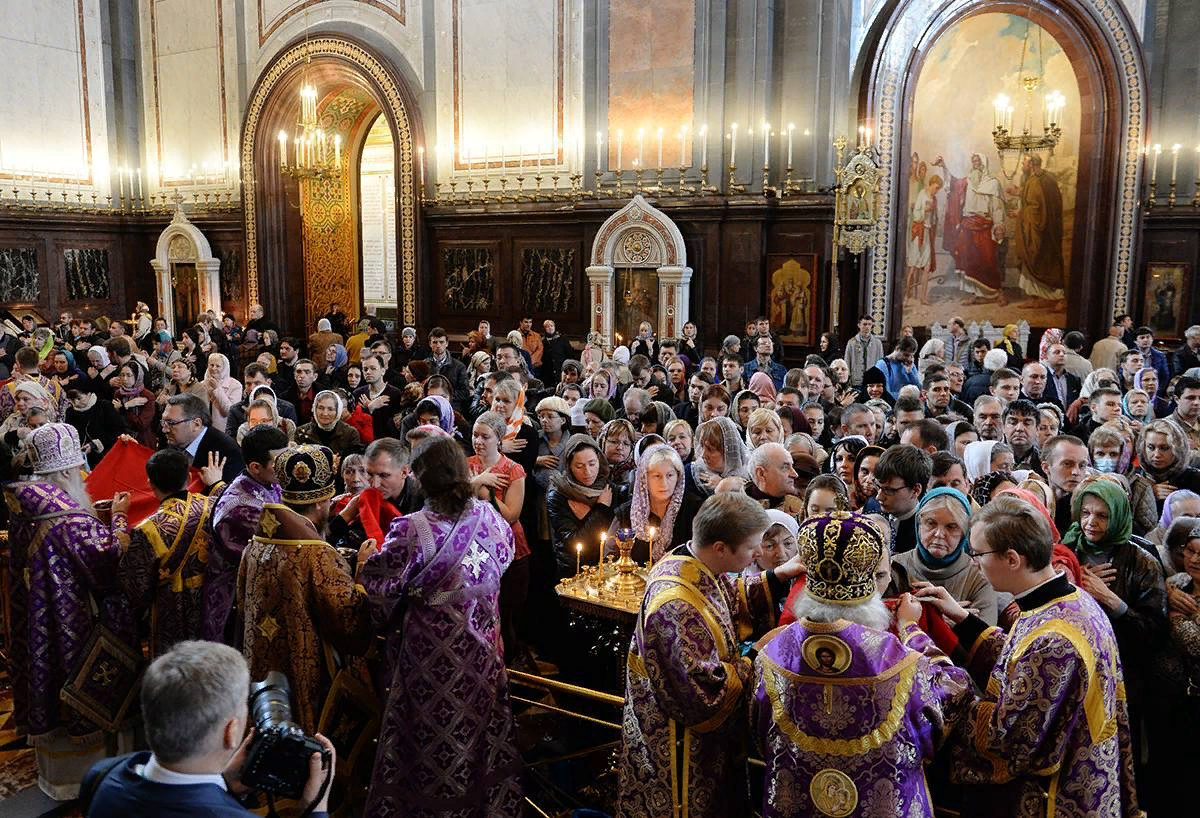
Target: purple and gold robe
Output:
[(164, 568), (234, 521), (60, 556), (846, 718), (683, 746), (1052, 728), (448, 744)]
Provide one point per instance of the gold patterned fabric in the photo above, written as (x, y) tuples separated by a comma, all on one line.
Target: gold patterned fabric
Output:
[(842, 550)]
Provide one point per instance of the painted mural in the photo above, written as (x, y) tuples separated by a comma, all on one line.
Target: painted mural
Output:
[(987, 235)]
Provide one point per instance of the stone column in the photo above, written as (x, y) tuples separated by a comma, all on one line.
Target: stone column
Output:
[(166, 304), (208, 274), (600, 285), (674, 296)]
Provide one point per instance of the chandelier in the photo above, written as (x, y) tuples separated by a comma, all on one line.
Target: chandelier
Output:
[(315, 154), (1053, 105)]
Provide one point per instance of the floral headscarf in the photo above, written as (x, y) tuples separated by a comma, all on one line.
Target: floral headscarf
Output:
[(1050, 337), (618, 472), (341, 407), (639, 509), (1128, 412), (139, 380), (1120, 518), (445, 413), (981, 489)]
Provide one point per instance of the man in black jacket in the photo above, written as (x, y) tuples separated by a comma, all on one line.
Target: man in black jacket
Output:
[(253, 376), (184, 422), (442, 363), (555, 349), (1187, 356)]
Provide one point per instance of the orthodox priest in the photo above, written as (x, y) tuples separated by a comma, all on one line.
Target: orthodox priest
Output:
[(1040, 236), (1050, 734), (63, 562), (301, 610), (846, 714), (683, 746)]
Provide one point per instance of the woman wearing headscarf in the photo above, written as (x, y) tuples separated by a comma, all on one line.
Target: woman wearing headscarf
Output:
[(322, 338), (1162, 455), (762, 386), (1011, 344), (1180, 503), (63, 369), (1050, 337), (593, 353), (98, 422), (961, 433), (99, 370), (332, 374), (977, 459), (1123, 578), (224, 392), (874, 387), (135, 403), (792, 419), (1079, 407), (327, 427), (720, 453), (655, 417), (1146, 379), (991, 484), (941, 556), (616, 443), (659, 513), (1112, 453), (580, 503)]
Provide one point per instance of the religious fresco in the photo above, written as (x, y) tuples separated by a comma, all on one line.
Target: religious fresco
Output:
[(988, 235), (791, 296), (468, 278), (86, 273), (548, 279), (1165, 299), (19, 279)]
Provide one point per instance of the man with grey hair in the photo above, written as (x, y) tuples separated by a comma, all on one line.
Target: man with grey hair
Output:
[(1187, 356), (841, 642), (773, 478), (194, 707), (859, 420), (989, 416), (635, 400)]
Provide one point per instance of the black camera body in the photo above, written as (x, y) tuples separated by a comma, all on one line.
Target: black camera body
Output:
[(277, 760)]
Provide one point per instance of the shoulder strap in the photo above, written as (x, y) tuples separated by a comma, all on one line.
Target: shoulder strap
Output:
[(96, 776)]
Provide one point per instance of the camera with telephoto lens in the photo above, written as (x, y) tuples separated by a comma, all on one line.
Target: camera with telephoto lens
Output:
[(277, 761)]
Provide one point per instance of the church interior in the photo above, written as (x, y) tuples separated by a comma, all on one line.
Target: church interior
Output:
[(626, 171)]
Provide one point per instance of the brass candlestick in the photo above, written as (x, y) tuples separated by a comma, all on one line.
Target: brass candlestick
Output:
[(1171, 195), (734, 186), (1153, 196), (626, 582)]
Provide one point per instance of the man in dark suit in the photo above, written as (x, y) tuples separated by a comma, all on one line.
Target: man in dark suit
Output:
[(184, 421), (378, 397), (1062, 385)]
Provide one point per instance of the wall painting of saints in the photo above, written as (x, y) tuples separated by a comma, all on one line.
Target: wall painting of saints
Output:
[(791, 296), (1166, 299), (988, 235)]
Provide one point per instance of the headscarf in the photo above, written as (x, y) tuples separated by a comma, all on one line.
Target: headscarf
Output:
[(797, 418), (323, 325), (981, 489), (1120, 518), (1179, 445), (223, 361), (34, 388), (762, 386), (977, 457), (1167, 517), (46, 348), (1050, 337), (517, 419), (665, 414), (853, 443), (736, 453), (1061, 557), (272, 363), (445, 413), (1137, 383), (612, 384), (341, 357), (139, 380), (1033, 500), (617, 472), (639, 508), (957, 428), (929, 559), (258, 391), (1091, 381), (101, 353), (341, 407), (565, 483), (600, 408), (621, 355)]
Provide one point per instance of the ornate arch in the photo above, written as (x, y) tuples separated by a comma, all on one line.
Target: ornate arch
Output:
[(392, 100), (182, 241), (908, 34)]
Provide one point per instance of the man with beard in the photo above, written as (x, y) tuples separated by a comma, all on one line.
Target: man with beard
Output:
[(297, 599), (1040, 237), (974, 212)]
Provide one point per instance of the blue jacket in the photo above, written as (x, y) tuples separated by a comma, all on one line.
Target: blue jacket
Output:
[(897, 375), (775, 371), (125, 793), (1158, 361)]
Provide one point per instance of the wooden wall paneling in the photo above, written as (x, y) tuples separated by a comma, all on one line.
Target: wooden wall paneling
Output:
[(493, 299), (573, 318), (21, 239), (737, 287), (1167, 237)]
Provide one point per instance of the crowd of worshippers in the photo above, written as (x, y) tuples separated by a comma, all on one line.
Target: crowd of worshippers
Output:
[(1003, 517)]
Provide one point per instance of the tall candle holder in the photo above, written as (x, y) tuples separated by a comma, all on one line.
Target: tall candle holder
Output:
[(626, 582), (637, 174), (734, 185), (1153, 198)]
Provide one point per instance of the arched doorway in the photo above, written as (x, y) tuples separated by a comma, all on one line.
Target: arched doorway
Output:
[(302, 238)]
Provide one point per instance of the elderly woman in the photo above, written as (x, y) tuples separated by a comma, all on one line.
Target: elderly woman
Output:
[(1135, 407), (100, 370), (942, 557), (1112, 453), (764, 426), (332, 371), (659, 512), (933, 352), (27, 395), (223, 391), (135, 403), (1146, 379), (721, 453), (264, 409), (183, 380), (1173, 711), (596, 413), (678, 434), (580, 504), (616, 442), (520, 439), (1163, 459), (327, 427), (1181, 503), (593, 353)]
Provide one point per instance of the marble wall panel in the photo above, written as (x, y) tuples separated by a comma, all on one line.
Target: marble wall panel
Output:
[(20, 280), (548, 276), (87, 274), (469, 278)]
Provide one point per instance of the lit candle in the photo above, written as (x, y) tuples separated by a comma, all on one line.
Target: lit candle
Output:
[(683, 146), (620, 144), (296, 151), (1198, 163), (766, 144), (1154, 168), (733, 145), (1174, 160), (578, 557), (139, 183), (704, 145), (999, 106), (650, 534), (599, 143), (604, 534), (283, 149), (421, 159), (791, 127), (641, 145), (660, 137), (861, 130)]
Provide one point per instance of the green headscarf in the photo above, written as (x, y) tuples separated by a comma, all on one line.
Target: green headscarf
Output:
[(1120, 518)]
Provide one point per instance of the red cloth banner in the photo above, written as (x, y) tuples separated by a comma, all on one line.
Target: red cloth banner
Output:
[(124, 469)]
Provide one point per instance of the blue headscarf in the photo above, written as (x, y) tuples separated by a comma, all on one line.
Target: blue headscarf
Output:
[(927, 558)]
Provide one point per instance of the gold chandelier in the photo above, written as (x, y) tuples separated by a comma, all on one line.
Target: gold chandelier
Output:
[(315, 154), (1053, 105)]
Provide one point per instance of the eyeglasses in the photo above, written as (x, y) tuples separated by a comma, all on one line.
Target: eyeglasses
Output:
[(168, 424), (973, 554), (890, 491)]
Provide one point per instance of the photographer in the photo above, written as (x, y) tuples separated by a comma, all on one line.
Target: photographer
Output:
[(194, 705)]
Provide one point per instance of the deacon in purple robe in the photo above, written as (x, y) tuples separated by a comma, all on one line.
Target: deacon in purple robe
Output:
[(683, 747), (447, 745), (845, 714), (63, 560), (235, 519), (1050, 734)]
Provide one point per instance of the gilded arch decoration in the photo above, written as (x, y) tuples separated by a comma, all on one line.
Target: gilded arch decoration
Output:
[(393, 103)]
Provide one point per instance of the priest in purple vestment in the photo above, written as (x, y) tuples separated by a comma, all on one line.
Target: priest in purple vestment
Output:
[(447, 746), (683, 740), (63, 560), (234, 521), (846, 714), (1050, 733)]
